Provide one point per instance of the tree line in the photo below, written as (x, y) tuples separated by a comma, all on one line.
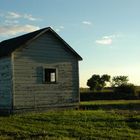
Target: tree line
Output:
[(97, 82), (118, 87)]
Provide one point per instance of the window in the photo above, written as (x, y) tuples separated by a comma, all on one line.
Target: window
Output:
[(50, 75)]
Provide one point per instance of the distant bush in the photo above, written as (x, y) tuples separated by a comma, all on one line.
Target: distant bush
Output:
[(125, 88), (125, 92), (89, 96)]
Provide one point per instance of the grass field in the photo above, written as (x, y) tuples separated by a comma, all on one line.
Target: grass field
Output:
[(111, 123), (111, 104)]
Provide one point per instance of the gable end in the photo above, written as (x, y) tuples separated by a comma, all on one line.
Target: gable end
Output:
[(10, 45)]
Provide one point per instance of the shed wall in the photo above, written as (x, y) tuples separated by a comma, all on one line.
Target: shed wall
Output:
[(5, 83), (29, 90)]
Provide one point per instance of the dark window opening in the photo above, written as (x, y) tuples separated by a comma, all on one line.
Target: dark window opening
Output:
[(50, 75)]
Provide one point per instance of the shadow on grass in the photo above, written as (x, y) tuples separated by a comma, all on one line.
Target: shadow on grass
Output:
[(133, 123), (131, 106)]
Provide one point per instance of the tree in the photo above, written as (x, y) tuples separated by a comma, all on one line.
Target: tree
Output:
[(105, 78), (117, 81), (93, 82), (97, 82)]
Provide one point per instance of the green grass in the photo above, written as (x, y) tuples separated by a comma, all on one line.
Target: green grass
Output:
[(111, 104), (74, 125)]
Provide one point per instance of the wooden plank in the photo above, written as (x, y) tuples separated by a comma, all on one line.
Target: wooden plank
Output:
[(5, 82)]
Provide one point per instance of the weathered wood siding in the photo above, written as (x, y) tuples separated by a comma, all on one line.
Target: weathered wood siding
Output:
[(29, 90), (5, 83)]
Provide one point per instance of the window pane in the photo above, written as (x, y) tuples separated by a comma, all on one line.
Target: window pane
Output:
[(53, 77)]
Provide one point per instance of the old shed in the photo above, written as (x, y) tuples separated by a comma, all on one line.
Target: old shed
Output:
[(38, 71)]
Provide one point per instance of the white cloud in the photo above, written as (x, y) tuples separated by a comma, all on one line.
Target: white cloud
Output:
[(58, 29), (104, 41), (108, 40), (87, 22), (110, 36), (16, 29), (14, 15), (11, 22), (29, 17)]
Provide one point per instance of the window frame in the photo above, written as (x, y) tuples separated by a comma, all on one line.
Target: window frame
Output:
[(56, 75)]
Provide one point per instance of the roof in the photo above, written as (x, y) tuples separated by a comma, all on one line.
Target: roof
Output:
[(10, 45)]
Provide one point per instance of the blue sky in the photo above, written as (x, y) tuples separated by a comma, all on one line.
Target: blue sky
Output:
[(106, 33)]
